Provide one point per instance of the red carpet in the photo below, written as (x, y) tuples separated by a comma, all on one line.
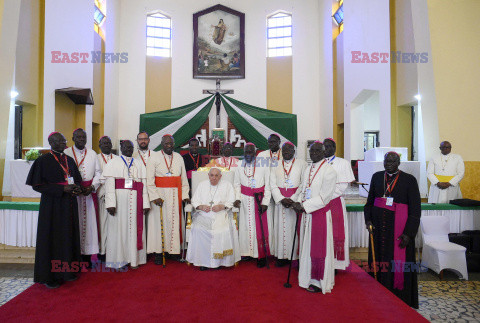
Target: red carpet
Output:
[(184, 293)]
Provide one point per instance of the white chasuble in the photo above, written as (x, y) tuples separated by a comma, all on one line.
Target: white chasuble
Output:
[(124, 241), (251, 176), (214, 236), (91, 172), (317, 190), (166, 179), (449, 168), (285, 182), (345, 176)]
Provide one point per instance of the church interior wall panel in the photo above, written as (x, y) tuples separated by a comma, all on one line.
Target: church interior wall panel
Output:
[(68, 29), (98, 89), (367, 30), (279, 84), (65, 116), (9, 21), (158, 84), (306, 70), (470, 185), (455, 52), (111, 89)]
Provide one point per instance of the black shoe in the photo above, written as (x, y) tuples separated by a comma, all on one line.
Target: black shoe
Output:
[(203, 268), (246, 258), (158, 259), (72, 278), (87, 259), (314, 289), (261, 262), (52, 285), (281, 262), (102, 258)]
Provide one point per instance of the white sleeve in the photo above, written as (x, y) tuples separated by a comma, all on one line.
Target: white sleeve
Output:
[(431, 172), (277, 196), (268, 194), (110, 197), (237, 184)]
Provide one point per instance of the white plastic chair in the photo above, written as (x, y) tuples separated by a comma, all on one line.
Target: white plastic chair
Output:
[(438, 253)]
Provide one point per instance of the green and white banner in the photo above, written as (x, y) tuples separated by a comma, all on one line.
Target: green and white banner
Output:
[(254, 124)]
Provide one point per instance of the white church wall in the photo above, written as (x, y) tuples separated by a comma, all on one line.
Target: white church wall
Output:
[(312, 75), (68, 29), (368, 31), (111, 98)]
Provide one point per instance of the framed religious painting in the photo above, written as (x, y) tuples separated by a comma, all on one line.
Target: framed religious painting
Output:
[(219, 43)]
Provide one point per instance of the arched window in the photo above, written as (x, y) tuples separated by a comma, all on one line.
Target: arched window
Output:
[(159, 35), (279, 35)]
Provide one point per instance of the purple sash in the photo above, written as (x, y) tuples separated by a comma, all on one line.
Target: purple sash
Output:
[(338, 226), (399, 254), (288, 192), (248, 191), (137, 186)]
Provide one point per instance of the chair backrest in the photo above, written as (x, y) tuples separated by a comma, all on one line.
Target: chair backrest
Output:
[(435, 228), (198, 177)]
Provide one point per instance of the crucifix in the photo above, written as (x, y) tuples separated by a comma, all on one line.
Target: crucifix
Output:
[(217, 93)]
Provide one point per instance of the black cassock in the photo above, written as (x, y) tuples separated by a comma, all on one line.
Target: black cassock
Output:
[(406, 192), (58, 234), (192, 164)]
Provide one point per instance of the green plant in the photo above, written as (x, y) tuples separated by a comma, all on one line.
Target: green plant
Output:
[(32, 154)]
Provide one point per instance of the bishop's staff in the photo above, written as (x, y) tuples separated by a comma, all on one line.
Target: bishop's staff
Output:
[(287, 284), (370, 230)]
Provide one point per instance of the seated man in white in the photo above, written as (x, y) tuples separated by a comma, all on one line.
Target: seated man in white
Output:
[(214, 237)]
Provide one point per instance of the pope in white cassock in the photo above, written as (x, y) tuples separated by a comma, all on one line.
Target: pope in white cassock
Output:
[(126, 200), (445, 172), (285, 182), (105, 145), (214, 236), (167, 187), (227, 160), (271, 158), (252, 187), (337, 204), (317, 271), (89, 167)]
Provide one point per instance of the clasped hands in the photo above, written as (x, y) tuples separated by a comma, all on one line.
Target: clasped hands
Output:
[(443, 185), (404, 239), (207, 208), (73, 189)]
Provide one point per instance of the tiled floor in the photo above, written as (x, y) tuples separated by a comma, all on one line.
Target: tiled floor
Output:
[(447, 300)]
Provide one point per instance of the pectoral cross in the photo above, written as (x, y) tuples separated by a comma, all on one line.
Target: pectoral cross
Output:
[(217, 93)]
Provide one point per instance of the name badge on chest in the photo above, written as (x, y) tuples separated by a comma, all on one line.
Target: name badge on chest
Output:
[(308, 193), (168, 174), (128, 182), (252, 183), (389, 201), (70, 180), (288, 183)]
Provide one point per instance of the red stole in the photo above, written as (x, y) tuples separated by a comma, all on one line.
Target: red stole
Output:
[(137, 186), (248, 191), (399, 254)]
